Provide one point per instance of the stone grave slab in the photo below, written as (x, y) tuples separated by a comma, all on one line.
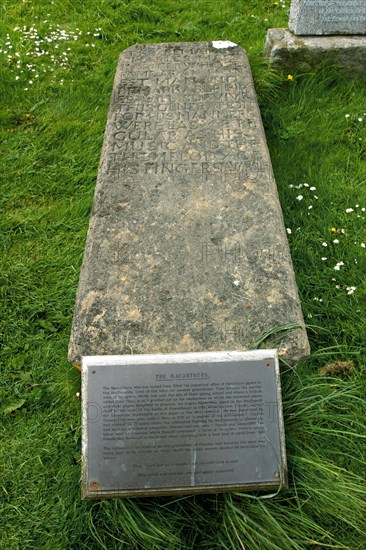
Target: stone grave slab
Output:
[(181, 424), (327, 17), (186, 249)]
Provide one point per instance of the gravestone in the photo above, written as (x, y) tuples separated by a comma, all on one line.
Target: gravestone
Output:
[(186, 249), (331, 31), (328, 17), (182, 424)]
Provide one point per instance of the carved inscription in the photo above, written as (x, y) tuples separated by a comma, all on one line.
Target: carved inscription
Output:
[(328, 16), (166, 132), (343, 10)]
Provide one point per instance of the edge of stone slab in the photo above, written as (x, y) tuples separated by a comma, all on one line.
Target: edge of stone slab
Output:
[(218, 44), (288, 50), (293, 349)]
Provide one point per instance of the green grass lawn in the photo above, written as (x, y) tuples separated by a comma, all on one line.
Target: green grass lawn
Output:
[(57, 63)]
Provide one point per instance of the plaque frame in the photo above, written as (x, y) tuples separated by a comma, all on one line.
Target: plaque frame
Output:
[(92, 490)]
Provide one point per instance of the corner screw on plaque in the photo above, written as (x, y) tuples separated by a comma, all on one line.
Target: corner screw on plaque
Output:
[(94, 371), (94, 486), (268, 365)]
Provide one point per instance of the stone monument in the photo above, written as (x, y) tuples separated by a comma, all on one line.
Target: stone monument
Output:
[(187, 249), (330, 30), (326, 17)]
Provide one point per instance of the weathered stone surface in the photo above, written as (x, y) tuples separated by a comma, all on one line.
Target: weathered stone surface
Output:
[(302, 53), (186, 249), (328, 17)]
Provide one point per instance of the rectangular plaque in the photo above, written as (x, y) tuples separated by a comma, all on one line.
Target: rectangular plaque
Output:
[(182, 423)]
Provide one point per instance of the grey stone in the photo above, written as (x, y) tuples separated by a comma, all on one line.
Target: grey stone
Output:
[(186, 249), (290, 51), (328, 17), (182, 424)]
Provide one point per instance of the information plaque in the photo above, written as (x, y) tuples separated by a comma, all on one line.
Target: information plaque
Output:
[(182, 423)]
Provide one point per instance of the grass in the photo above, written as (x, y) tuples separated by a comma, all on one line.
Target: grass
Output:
[(51, 137)]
